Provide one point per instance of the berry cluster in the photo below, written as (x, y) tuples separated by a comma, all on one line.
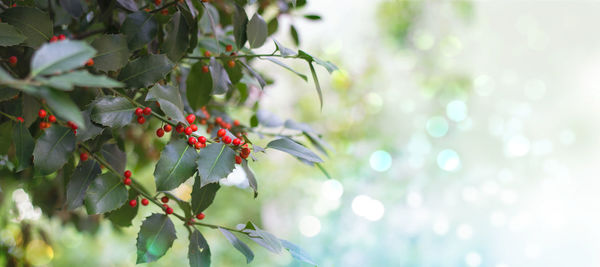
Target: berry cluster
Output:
[(46, 122), (141, 113)]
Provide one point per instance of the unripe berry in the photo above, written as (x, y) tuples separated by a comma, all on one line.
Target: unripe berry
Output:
[(236, 123), (133, 203), (139, 112), (205, 69), (51, 118), (202, 139), (200, 216), (188, 130), (141, 120), (145, 202), (221, 132), (127, 174), (89, 63), (127, 181), (238, 160), (228, 48), (169, 210), (167, 128), (194, 127), (147, 111), (12, 60), (160, 132), (236, 142), (231, 63), (192, 140), (207, 53), (226, 139), (83, 156), (190, 118), (164, 199), (42, 113), (179, 128)]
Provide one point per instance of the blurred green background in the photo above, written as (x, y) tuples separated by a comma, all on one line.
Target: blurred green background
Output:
[(463, 134)]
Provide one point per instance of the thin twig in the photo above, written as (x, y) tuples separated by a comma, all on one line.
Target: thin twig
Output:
[(163, 7)]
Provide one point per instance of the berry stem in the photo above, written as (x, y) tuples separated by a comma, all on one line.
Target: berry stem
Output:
[(9, 116)]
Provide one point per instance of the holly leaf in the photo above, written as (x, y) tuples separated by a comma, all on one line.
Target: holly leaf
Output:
[(61, 56), (251, 178), (156, 236), (24, 145), (238, 244), (285, 66), (198, 251), (106, 193), (216, 161), (177, 163), (257, 31), (203, 196), (125, 214), (113, 53), (309, 58), (198, 86), (81, 179), (114, 156), (294, 34), (31, 22), (289, 146), (53, 148), (83, 78), (220, 78), (169, 99), (240, 21), (62, 105), (140, 28), (284, 51), (112, 111), (73, 7), (130, 5), (9, 35), (177, 40), (297, 252), (90, 130), (145, 71), (263, 238)]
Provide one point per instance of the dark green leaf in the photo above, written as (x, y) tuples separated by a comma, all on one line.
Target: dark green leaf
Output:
[(60, 56), (216, 161), (113, 53), (257, 31), (145, 71), (294, 149), (9, 35), (268, 119), (320, 144), (114, 156), (294, 34), (170, 101), (254, 121), (284, 50), (106, 193), (328, 65), (203, 196), (263, 238), (312, 17), (31, 22), (272, 26), (156, 236), (4, 76), (317, 85), (323, 170), (112, 111), (23, 145), (5, 92), (81, 179), (53, 148), (238, 244), (255, 74), (278, 62), (177, 163), (198, 251), (251, 178), (220, 78), (297, 252), (184, 205), (240, 21), (90, 130), (74, 7), (80, 78), (209, 19), (5, 143), (63, 106), (177, 40), (125, 214), (140, 28), (130, 5), (199, 86)]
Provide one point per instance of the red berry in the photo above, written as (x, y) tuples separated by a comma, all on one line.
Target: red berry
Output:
[(244, 155), (157, 2), (20, 119), (164, 11), (191, 118), (53, 39), (221, 132), (160, 132), (226, 139), (246, 151), (127, 181), (72, 125), (231, 63), (238, 160), (236, 142), (218, 120), (164, 199), (127, 174), (141, 120), (62, 37), (207, 53), (139, 112), (236, 123), (169, 210), (42, 113), (188, 130), (145, 202), (192, 140), (12, 60), (191, 221), (203, 121), (74, 131), (205, 69), (198, 145), (90, 62), (147, 111), (227, 126), (51, 118), (133, 203), (228, 48), (202, 139), (200, 216), (179, 128), (202, 145), (83, 156), (42, 125), (194, 127), (167, 128)]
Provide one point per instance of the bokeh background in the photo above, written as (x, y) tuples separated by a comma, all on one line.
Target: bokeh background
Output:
[(463, 133)]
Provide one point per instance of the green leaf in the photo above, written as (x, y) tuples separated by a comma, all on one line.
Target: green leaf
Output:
[(169, 99), (210, 17), (114, 156), (312, 17), (5, 143), (297, 252), (323, 170), (83, 78), (145, 71), (317, 85), (286, 52), (251, 178), (319, 143), (140, 28), (125, 214), (278, 62), (294, 34), (74, 7), (183, 205), (106, 193), (63, 106), (7, 93), (216, 161), (23, 145), (112, 111), (53, 148), (240, 21), (177, 163), (130, 5), (156, 236), (81, 179), (198, 251), (113, 53), (289, 146), (327, 64), (220, 78), (272, 26), (177, 40), (257, 31), (4, 76), (199, 86), (255, 74), (60, 56), (203, 196), (263, 238), (238, 244), (90, 130), (31, 22), (268, 119), (9, 35)]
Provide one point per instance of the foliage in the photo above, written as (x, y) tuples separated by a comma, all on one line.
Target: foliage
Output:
[(179, 67)]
